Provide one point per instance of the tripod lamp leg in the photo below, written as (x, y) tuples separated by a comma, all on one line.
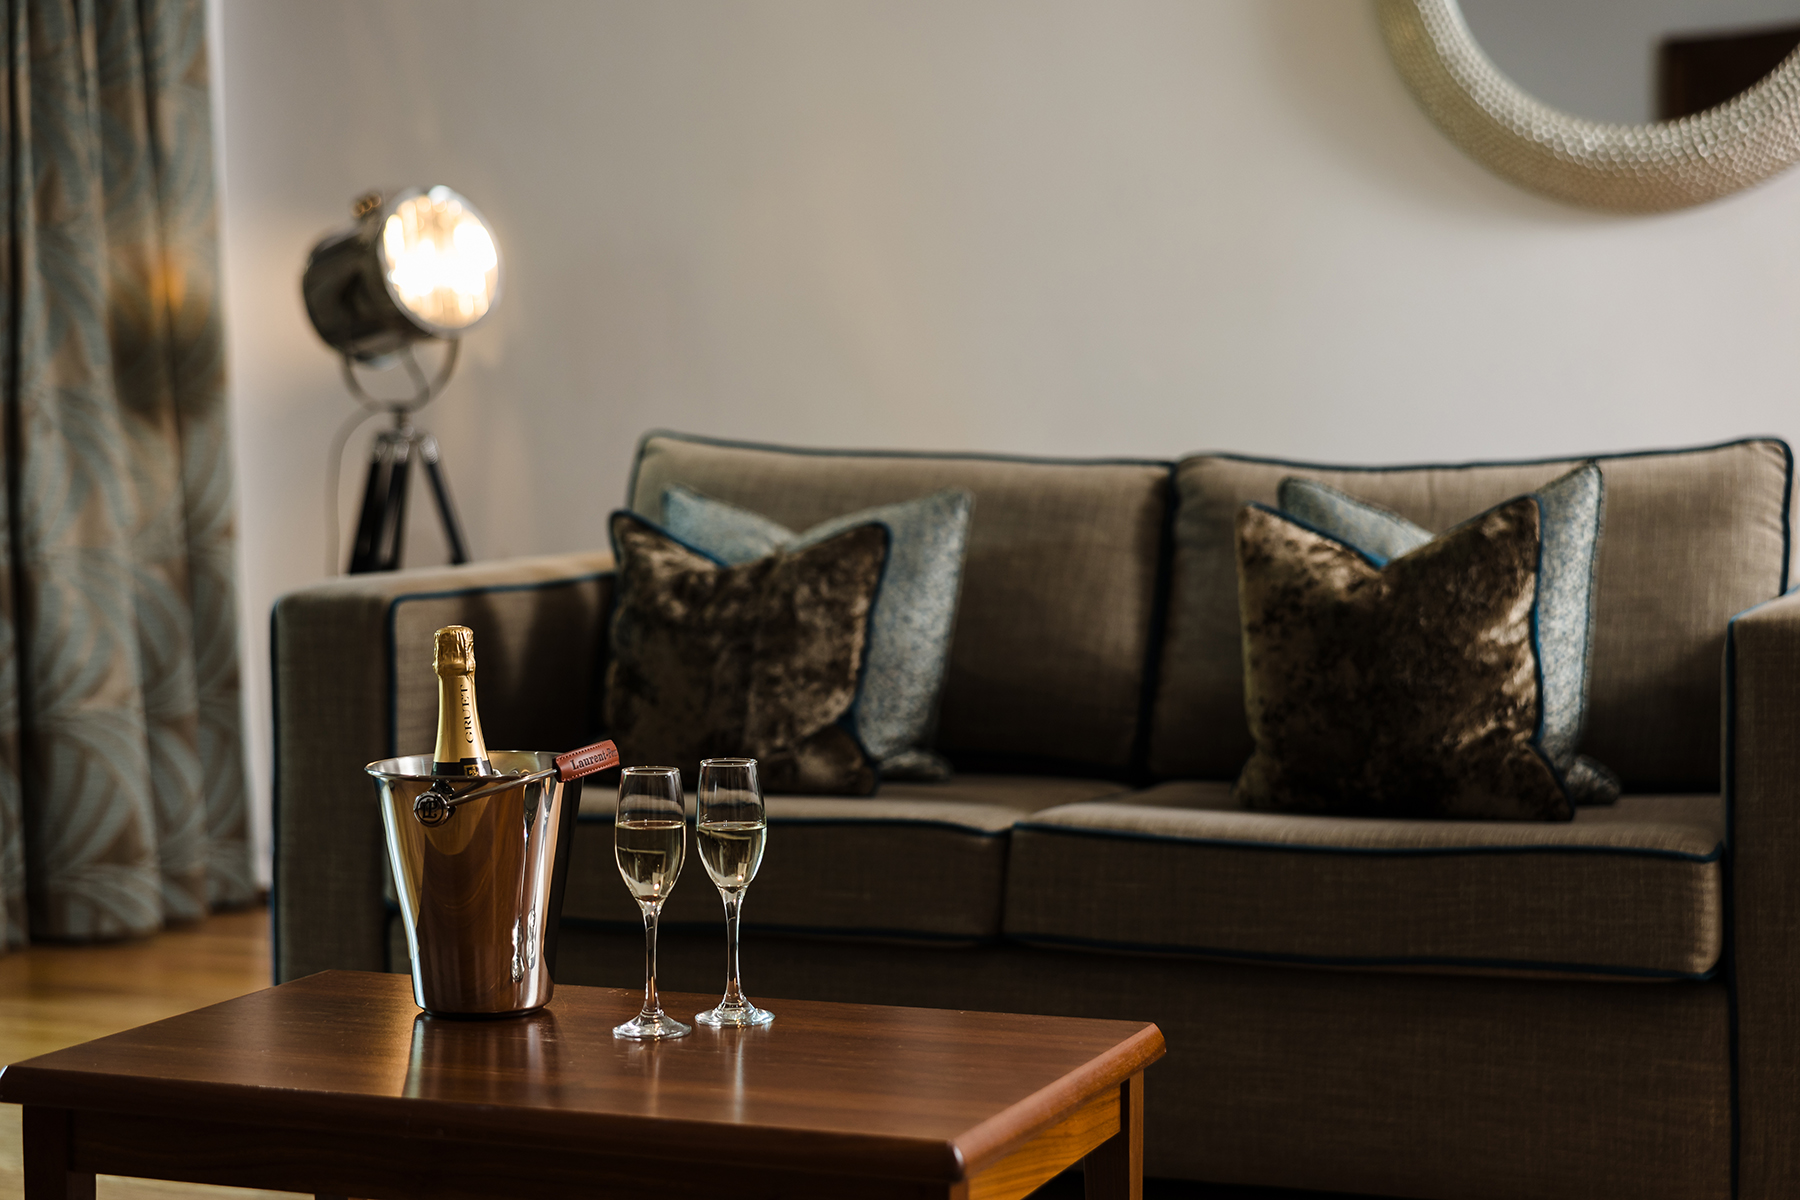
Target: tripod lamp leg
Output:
[(440, 489)]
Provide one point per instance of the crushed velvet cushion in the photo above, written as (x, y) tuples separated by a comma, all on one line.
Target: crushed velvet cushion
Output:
[(762, 659), (1571, 509), (1405, 690), (915, 614)]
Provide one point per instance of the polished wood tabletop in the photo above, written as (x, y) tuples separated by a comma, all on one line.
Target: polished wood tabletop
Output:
[(857, 1090)]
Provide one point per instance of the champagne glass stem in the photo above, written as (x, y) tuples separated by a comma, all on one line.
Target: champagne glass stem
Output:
[(734, 995), (652, 1003)]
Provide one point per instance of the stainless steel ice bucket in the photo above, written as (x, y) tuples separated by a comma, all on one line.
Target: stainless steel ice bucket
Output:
[(481, 892)]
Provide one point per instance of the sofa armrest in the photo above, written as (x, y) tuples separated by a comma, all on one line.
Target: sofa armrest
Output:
[(353, 683), (1762, 788)]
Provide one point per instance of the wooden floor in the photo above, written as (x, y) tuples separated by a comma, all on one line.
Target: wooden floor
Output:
[(56, 996)]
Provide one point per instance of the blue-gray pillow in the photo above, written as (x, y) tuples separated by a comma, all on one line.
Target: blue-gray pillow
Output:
[(1573, 509), (915, 612)]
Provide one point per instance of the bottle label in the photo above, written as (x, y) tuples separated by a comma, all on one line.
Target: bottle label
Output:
[(467, 766)]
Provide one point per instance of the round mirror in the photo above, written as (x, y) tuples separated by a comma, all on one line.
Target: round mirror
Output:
[(1635, 61), (1635, 105)]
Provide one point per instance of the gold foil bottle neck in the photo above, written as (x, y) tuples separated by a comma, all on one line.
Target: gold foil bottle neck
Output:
[(461, 750), (454, 653)]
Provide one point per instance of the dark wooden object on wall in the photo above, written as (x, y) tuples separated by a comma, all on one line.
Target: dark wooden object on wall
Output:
[(337, 1085), (1695, 72)]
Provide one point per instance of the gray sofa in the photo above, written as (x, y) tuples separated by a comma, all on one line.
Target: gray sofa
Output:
[(1407, 1008)]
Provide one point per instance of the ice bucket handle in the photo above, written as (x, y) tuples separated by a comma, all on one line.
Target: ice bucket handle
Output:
[(434, 808)]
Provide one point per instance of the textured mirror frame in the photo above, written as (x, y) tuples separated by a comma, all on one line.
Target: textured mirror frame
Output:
[(1623, 168)]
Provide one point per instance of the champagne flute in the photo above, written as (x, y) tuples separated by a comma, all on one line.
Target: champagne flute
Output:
[(730, 826), (649, 842)]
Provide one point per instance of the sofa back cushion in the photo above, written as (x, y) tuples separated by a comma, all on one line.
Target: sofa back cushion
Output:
[(1690, 538), (1059, 587)]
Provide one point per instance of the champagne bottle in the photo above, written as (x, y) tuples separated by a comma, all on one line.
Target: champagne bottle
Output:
[(461, 750)]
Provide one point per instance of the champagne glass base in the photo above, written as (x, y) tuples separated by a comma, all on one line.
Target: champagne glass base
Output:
[(651, 1027), (734, 1016)]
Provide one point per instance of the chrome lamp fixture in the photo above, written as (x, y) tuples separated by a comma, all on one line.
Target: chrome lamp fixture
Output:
[(419, 264)]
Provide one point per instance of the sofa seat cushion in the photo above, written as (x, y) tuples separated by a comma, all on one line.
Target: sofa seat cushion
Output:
[(1633, 891), (918, 862)]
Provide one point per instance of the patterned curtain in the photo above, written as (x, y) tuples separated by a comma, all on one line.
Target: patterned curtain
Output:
[(122, 797)]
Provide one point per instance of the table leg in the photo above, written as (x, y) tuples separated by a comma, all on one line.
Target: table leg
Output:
[(47, 1154), (1114, 1170)]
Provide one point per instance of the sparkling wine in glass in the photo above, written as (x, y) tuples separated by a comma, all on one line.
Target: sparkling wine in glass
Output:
[(730, 827), (650, 842)]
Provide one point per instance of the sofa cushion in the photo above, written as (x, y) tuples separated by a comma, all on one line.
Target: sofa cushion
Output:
[(762, 659), (1632, 891), (915, 612), (1692, 537), (1570, 511), (919, 862), (1059, 586), (1405, 690)]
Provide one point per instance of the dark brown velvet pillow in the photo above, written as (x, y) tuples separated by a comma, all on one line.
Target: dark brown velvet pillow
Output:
[(1410, 690), (760, 659)]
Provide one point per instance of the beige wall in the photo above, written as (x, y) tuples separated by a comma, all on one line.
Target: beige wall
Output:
[(1137, 227)]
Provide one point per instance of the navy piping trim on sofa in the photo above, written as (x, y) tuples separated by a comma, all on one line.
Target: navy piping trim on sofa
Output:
[(393, 610), (909, 935), (1299, 464), (1729, 950), (1371, 851), (856, 822), (1332, 960), (1537, 647), (896, 823), (1573, 459), (1728, 954), (1787, 509)]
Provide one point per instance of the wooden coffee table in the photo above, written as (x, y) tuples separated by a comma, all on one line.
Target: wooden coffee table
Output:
[(336, 1084)]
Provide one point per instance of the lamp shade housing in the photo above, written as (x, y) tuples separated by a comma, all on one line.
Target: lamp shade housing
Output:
[(419, 264)]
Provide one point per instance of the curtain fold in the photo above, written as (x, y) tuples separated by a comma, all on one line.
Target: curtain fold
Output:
[(122, 789)]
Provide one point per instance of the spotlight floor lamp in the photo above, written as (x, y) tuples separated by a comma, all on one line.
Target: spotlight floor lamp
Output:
[(418, 265)]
